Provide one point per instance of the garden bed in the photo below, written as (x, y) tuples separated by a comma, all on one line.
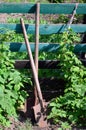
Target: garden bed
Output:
[(22, 125)]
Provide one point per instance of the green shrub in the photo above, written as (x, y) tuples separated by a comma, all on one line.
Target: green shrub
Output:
[(12, 93), (69, 110)]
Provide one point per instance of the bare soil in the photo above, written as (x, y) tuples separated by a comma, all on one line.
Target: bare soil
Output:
[(48, 18)]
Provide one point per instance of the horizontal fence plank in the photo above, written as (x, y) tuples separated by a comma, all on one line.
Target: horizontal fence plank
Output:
[(43, 64), (80, 48), (44, 29), (47, 64), (63, 8), (21, 47), (46, 47), (17, 8)]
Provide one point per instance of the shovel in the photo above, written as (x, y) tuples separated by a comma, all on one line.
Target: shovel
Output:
[(40, 109)]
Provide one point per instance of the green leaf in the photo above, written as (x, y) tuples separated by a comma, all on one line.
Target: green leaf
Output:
[(53, 104), (60, 129), (2, 80), (1, 91)]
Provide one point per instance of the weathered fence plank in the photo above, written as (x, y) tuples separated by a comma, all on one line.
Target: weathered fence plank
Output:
[(43, 64), (65, 8), (46, 47), (44, 29)]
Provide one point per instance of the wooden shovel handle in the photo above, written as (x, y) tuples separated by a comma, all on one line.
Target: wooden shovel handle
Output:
[(37, 35), (32, 63), (36, 46)]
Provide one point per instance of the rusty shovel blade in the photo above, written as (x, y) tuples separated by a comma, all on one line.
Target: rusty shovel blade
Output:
[(40, 115)]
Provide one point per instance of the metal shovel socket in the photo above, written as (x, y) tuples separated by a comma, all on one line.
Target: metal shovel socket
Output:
[(32, 65)]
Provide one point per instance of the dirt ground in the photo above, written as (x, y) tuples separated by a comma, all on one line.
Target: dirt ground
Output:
[(20, 125), (48, 18)]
